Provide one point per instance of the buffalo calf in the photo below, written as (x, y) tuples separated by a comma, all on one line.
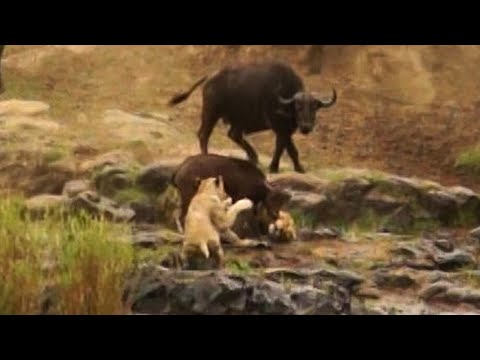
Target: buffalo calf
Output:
[(241, 178)]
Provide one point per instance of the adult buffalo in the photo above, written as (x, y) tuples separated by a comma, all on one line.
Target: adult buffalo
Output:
[(2, 89), (257, 97)]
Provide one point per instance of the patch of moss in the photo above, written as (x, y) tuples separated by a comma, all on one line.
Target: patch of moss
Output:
[(133, 194), (466, 218), (469, 162), (239, 267), (55, 153), (153, 256)]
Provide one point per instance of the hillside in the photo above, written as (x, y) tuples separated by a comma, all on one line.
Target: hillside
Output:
[(406, 109)]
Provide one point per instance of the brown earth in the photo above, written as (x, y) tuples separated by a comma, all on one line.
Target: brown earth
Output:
[(403, 109)]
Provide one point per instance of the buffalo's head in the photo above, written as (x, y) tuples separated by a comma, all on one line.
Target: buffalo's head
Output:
[(306, 106)]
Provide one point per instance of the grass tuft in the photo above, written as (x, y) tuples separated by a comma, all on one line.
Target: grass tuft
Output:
[(84, 260)]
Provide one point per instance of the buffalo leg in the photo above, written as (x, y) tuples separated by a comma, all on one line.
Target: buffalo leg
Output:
[(279, 149), (238, 138), (293, 153), (208, 124)]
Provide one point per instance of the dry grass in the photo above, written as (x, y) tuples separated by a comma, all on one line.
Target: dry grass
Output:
[(84, 260), (404, 109)]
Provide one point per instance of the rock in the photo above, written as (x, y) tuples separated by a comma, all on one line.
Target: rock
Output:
[(307, 202), (360, 308), (382, 203), (85, 150), (344, 278), (97, 205), (154, 115), (298, 182), (146, 213), (263, 261), (133, 128), (400, 220), (153, 239), (440, 204), (436, 276), (157, 291), (319, 233), (156, 177), (449, 293), (75, 187), (23, 108), (49, 179), (404, 201), (407, 250), (39, 206), (351, 189), (444, 245), (147, 239), (111, 179), (475, 233), (463, 195), (368, 292), (454, 260), (116, 158), (414, 256), (434, 289), (16, 124), (393, 280)]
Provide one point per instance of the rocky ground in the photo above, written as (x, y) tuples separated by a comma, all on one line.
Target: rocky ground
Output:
[(369, 242)]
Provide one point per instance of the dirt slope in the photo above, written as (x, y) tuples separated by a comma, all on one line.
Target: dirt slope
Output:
[(406, 109)]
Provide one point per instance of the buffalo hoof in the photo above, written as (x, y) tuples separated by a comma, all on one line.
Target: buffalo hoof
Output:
[(300, 169)]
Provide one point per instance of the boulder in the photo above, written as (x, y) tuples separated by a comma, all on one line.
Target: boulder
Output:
[(455, 260), (156, 177), (40, 205), (75, 187), (97, 205), (159, 291)]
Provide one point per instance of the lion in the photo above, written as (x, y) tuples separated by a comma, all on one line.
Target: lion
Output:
[(283, 229), (210, 215)]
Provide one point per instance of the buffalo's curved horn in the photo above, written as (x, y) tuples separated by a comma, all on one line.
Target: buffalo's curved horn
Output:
[(286, 101), (329, 103)]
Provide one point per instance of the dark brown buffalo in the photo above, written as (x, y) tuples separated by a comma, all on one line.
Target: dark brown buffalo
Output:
[(241, 178), (2, 89), (258, 97)]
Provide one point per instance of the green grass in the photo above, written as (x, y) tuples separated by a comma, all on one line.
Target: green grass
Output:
[(469, 161), (132, 194), (304, 220), (84, 260), (56, 153), (239, 267)]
